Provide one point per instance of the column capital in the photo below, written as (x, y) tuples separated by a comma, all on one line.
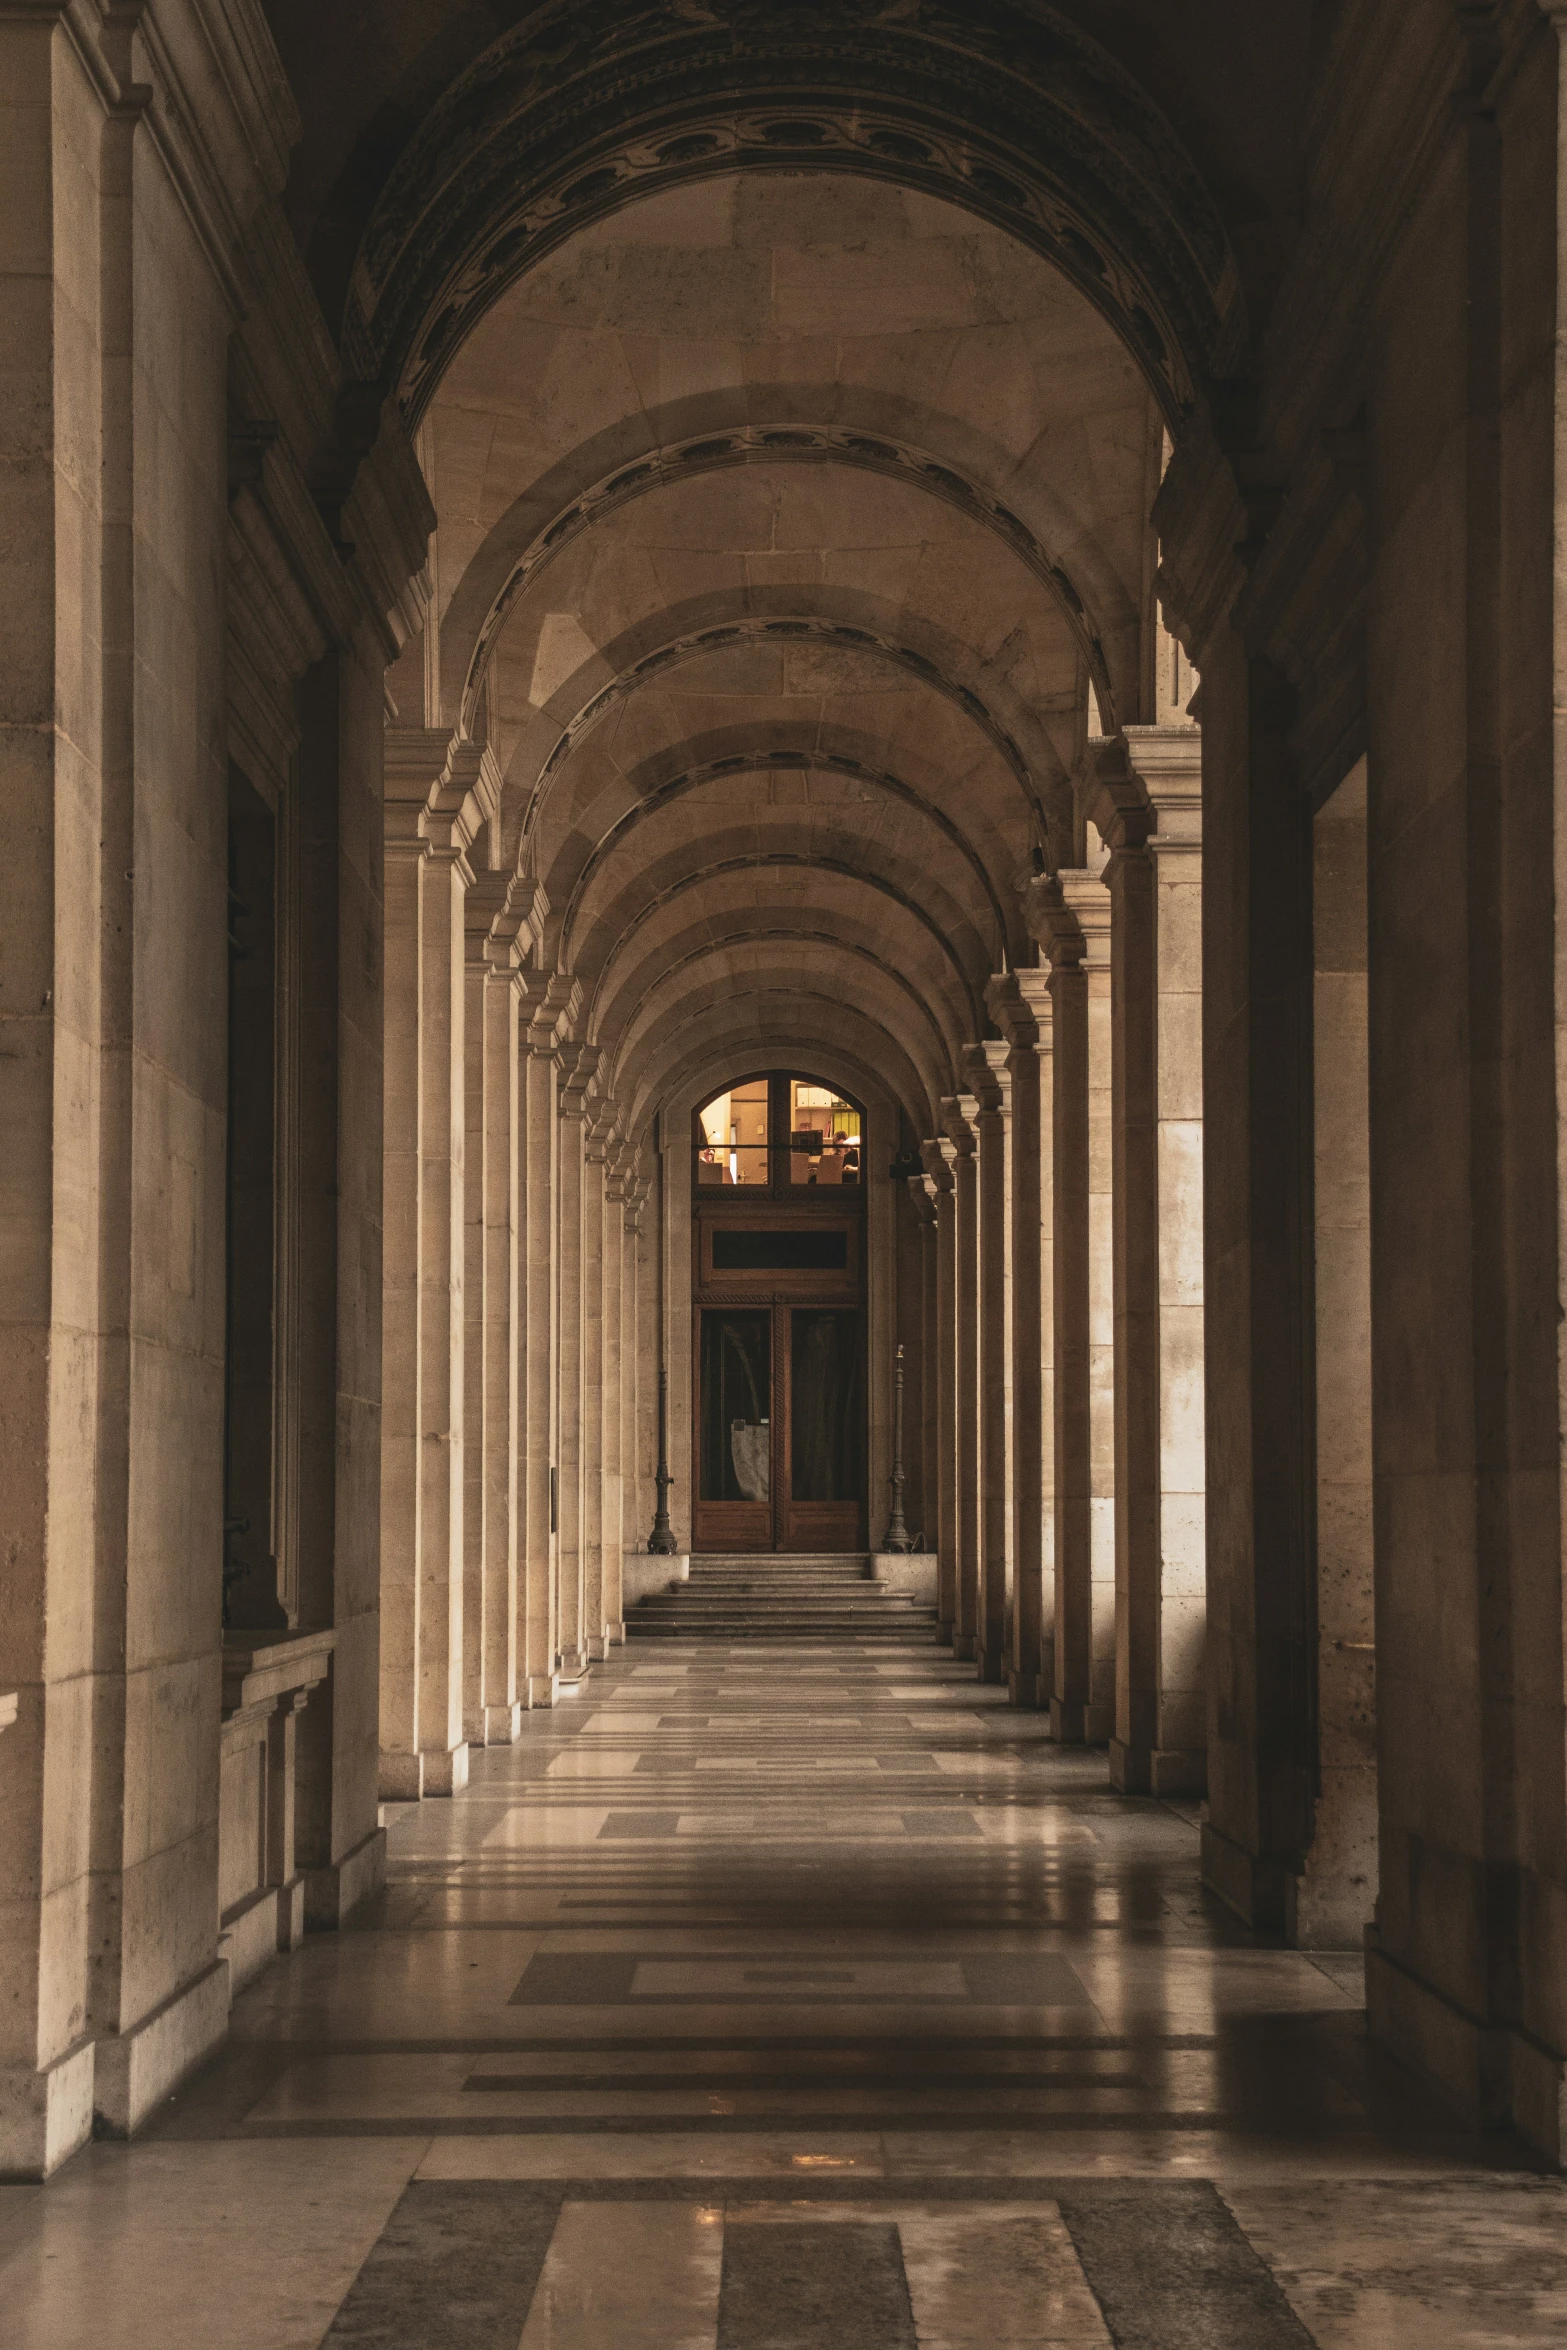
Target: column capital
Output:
[(986, 1066), (438, 790), (960, 1119), (1088, 899), (1051, 922), (552, 1011), (1168, 761), (578, 1079), (938, 1154), (1022, 1007), (1117, 802), (922, 1191)]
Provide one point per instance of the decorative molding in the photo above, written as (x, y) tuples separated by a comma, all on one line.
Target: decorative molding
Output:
[(1005, 109)]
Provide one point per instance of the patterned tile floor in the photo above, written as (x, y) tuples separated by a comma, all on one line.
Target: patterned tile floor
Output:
[(769, 1998)]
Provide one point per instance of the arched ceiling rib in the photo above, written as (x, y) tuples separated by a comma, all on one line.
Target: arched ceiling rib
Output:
[(1005, 109), (496, 577), (659, 798), (860, 643), (786, 707), (716, 1031)]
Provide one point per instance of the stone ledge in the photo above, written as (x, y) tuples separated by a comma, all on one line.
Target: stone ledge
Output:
[(135, 2070), (912, 1572), (645, 1572), (1496, 2076), (46, 2114), (335, 1892), (1260, 1892)]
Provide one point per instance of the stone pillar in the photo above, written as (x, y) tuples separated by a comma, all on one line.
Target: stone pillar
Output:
[(1157, 1114), (1021, 1007), (1089, 899), (1053, 924), (1336, 1890), (1260, 1500), (551, 1010), (1168, 759), (1119, 808), (961, 1112), (595, 1368), (614, 1309), (940, 1188), (923, 1193), (491, 1551), (986, 1067), (432, 815), (577, 1064)]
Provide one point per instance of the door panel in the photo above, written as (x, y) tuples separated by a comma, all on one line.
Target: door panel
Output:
[(823, 1497), (735, 1435)]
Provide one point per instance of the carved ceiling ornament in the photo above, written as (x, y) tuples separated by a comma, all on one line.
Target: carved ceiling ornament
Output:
[(995, 105)]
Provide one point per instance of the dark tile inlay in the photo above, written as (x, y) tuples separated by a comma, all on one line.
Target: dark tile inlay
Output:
[(453, 2269), (810, 2285), (1024, 1979), (576, 1978), (1170, 2267)]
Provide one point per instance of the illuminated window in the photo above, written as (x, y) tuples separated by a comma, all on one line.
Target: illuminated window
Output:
[(825, 1142), (734, 1136)]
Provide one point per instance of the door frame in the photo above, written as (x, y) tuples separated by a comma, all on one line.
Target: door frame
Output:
[(780, 1523)]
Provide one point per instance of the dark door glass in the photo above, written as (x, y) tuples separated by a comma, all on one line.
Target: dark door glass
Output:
[(827, 1406), (736, 1448)]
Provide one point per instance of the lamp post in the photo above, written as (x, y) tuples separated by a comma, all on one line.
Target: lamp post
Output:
[(898, 1538), (661, 1542)]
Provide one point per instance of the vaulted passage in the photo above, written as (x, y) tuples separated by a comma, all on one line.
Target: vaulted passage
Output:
[(782, 927)]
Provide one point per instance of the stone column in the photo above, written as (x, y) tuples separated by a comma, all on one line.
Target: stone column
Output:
[(596, 1143), (1089, 899), (1069, 915), (577, 1064), (1168, 760), (612, 1525), (431, 818), (987, 1070), (939, 1184), (1260, 1501), (1021, 1006), (492, 1610), (961, 1112), (1119, 807), (551, 1010), (923, 1193)]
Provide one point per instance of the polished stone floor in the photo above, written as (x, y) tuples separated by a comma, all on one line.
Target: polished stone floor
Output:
[(771, 1998)]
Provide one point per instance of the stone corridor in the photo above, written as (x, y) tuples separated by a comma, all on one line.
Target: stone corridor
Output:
[(775, 1997)]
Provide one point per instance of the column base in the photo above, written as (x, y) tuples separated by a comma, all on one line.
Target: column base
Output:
[(1068, 1721), (135, 2071), (1260, 1892), (1024, 1690), (407, 1778), (334, 1893), (45, 2116), (963, 1647), (992, 1664), (944, 1631), (574, 1665), (615, 1635), (599, 1647), (1497, 2076), (446, 1769), (1157, 1770), (541, 1690), (500, 1725)]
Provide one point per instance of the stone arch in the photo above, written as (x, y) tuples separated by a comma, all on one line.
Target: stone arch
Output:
[(1019, 117)]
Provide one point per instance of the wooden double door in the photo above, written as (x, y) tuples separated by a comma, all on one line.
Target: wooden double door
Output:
[(780, 1418)]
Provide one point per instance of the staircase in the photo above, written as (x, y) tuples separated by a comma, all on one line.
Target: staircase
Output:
[(780, 1595)]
